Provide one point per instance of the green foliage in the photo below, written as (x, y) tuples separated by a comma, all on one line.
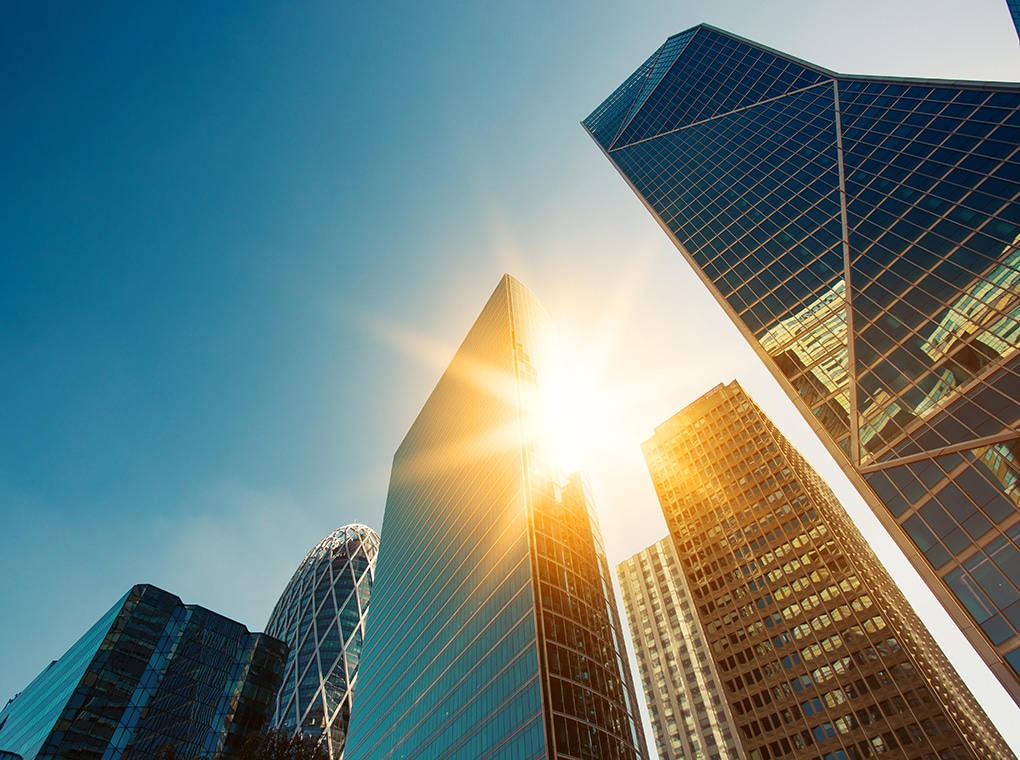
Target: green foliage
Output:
[(277, 744), (274, 744)]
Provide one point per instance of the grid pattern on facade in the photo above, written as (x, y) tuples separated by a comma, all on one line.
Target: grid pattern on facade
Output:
[(932, 177), (588, 694), (682, 689), (863, 234), (153, 674), (819, 653), (592, 701), (616, 111), (764, 257), (456, 663), (321, 617), (450, 665)]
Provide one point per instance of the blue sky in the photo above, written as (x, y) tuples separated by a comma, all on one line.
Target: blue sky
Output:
[(239, 242)]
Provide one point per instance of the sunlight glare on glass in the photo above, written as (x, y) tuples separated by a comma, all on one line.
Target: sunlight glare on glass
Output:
[(576, 417)]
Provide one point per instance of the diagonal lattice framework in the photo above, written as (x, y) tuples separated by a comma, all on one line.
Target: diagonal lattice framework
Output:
[(321, 616)]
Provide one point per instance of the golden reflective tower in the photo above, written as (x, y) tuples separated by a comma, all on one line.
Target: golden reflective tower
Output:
[(819, 653), (494, 632)]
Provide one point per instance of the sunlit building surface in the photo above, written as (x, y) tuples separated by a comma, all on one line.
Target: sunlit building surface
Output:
[(819, 653), (689, 718), (861, 233), (493, 633), (321, 617), (151, 675)]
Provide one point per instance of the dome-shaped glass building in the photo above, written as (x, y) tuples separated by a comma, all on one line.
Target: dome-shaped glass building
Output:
[(321, 616)]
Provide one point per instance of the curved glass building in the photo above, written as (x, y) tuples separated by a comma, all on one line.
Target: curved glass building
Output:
[(321, 616)]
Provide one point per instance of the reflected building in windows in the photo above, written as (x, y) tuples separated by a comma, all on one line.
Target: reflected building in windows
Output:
[(321, 617), (818, 652), (862, 234), (683, 692), (152, 675), (494, 632)]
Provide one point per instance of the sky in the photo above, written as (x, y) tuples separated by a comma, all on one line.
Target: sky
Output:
[(239, 242)]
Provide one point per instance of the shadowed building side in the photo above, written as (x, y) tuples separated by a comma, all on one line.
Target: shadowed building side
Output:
[(153, 674), (861, 233)]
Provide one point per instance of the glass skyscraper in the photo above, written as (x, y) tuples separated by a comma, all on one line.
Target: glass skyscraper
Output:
[(493, 633), (818, 653), (690, 719), (321, 617), (153, 674), (861, 232)]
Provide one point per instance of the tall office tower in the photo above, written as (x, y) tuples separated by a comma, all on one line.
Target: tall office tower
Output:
[(683, 692), (321, 617), (819, 652), (152, 674), (861, 233), (494, 633)]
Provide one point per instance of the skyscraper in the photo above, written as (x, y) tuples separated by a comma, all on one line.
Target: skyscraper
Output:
[(493, 633), (321, 617), (690, 719), (861, 233), (819, 653), (152, 674)]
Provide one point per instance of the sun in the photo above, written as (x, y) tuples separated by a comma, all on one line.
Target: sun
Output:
[(576, 416)]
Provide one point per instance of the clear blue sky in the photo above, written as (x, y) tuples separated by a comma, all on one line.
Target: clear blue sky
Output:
[(238, 243)]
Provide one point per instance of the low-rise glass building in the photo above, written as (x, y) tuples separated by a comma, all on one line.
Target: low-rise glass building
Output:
[(153, 674)]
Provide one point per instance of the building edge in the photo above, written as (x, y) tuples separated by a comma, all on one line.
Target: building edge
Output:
[(976, 638)]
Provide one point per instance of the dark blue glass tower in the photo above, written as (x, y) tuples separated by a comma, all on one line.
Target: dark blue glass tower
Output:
[(151, 675), (862, 234), (493, 633)]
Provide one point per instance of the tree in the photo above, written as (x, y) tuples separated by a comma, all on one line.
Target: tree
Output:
[(274, 744), (277, 744)]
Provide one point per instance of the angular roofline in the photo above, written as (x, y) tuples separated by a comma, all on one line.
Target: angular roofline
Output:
[(666, 423), (871, 78), (767, 49), (932, 81)]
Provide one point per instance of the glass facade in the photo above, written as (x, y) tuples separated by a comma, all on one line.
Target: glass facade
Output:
[(152, 674), (862, 233), (819, 653), (493, 632), (690, 719), (321, 617)]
